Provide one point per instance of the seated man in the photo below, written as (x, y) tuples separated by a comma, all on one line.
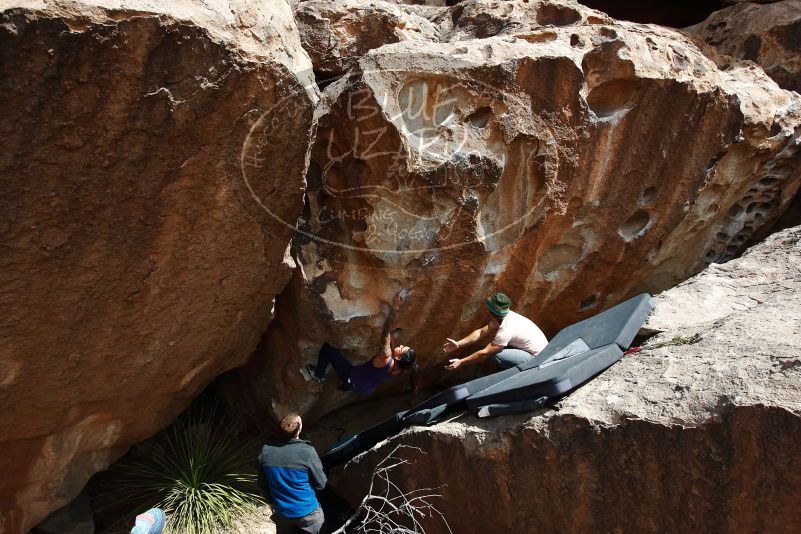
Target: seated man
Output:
[(289, 472), (390, 362), (515, 339)]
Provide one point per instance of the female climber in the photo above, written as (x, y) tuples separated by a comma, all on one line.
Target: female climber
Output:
[(390, 362)]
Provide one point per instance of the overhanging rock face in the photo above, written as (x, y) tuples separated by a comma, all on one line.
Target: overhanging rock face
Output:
[(143, 203), (695, 433), (570, 163)]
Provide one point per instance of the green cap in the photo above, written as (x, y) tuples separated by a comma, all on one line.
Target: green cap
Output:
[(499, 304)]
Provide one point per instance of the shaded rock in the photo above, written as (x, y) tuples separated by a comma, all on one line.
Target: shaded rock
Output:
[(569, 168), (75, 518), (337, 33), (143, 213), (769, 35), (695, 433)]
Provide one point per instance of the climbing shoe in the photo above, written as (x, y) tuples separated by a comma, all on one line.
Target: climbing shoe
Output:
[(312, 369)]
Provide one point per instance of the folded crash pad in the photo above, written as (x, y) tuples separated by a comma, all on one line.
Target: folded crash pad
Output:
[(549, 381), (432, 408), (619, 325)]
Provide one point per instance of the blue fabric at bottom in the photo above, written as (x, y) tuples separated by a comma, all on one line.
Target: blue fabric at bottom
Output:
[(150, 522)]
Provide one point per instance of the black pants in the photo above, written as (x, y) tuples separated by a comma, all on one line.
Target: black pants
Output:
[(330, 355)]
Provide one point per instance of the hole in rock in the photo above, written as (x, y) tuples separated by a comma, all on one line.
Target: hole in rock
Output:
[(575, 40), (767, 182), (608, 32), (541, 37), (474, 159), (612, 97), (635, 225), (588, 303), (735, 211), (649, 195), (553, 15), (480, 117)]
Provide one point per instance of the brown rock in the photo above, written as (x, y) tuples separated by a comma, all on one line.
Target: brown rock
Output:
[(696, 433), (570, 167), (337, 33), (137, 264), (477, 19), (769, 35)]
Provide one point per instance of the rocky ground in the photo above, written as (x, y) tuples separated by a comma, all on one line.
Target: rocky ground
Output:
[(695, 433)]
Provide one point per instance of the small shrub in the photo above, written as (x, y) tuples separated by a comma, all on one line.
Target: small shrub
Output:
[(198, 470)]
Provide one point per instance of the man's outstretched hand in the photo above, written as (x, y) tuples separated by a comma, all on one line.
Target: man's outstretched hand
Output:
[(450, 345), (453, 364)]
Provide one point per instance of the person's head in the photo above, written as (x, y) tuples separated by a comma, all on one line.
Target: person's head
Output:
[(291, 426), (150, 522), (498, 305), (405, 357)]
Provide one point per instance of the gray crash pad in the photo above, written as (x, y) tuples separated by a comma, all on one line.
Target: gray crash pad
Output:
[(345, 449), (549, 381), (619, 325)]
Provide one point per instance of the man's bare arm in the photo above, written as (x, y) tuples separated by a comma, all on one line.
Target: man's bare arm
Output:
[(480, 355), (473, 337)]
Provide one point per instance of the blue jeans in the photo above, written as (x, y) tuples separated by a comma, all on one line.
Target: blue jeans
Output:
[(511, 357)]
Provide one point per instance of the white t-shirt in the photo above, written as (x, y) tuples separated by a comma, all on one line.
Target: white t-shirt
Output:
[(521, 333)]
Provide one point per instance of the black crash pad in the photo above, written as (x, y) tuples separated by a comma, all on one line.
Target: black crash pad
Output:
[(344, 450), (619, 325), (549, 381), (455, 396)]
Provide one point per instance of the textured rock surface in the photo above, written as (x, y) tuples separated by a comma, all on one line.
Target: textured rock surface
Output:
[(570, 166), (136, 262), (769, 35), (337, 33), (695, 433)]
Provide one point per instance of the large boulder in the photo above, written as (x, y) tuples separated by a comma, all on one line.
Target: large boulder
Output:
[(569, 166), (152, 171), (696, 433), (769, 35)]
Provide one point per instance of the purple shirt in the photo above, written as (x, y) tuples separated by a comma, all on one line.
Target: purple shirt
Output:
[(367, 377)]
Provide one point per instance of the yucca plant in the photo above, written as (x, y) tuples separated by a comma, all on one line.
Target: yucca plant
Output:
[(198, 470)]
